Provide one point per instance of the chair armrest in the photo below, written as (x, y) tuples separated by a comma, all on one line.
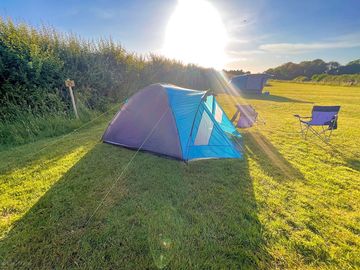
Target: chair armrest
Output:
[(298, 116)]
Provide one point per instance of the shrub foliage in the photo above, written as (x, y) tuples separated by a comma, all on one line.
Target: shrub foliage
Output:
[(345, 79)]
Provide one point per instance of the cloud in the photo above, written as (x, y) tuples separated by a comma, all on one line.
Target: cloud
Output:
[(241, 55), (233, 40), (248, 39), (350, 41), (244, 52), (238, 59)]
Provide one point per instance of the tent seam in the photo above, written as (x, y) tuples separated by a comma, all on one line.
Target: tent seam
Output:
[(192, 125), (222, 133), (176, 124)]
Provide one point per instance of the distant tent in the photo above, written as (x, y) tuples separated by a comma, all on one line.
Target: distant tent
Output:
[(250, 83), (177, 122)]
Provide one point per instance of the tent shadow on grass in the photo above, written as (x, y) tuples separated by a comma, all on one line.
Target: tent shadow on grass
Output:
[(269, 158), (354, 164), (40, 152), (161, 213), (273, 98)]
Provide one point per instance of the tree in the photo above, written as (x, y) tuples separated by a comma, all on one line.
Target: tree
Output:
[(290, 71)]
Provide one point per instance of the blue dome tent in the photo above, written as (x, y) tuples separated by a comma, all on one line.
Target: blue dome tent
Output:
[(181, 123)]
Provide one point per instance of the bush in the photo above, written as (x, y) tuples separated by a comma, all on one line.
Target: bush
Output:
[(345, 80), (301, 79)]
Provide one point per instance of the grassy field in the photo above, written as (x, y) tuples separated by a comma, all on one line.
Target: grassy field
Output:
[(290, 204)]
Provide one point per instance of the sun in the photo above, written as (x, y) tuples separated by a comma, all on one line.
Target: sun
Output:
[(196, 34)]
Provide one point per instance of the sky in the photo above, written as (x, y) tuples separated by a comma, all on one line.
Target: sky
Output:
[(259, 33)]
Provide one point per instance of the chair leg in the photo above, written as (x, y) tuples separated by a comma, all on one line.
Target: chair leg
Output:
[(307, 131), (328, 137), (303, 130), (321, 135), (313, 131), (327, 134)]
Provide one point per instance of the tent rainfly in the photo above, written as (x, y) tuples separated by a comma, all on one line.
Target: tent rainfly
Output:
[(181, 123), (250, 83)]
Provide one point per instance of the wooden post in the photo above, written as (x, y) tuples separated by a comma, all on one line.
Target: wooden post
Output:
[(70, 84)]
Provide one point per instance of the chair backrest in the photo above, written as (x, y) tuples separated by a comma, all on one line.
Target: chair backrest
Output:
[(324, 115)]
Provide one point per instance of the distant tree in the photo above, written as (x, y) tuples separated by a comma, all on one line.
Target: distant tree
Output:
[(354, 62), (332, 67), (352, 67), (310, 68), (235, 72)]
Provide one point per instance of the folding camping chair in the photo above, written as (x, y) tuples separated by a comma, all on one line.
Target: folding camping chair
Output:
[(322, 116), (248, 116)]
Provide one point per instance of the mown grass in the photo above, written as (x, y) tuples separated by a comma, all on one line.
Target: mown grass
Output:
[(290, 204)]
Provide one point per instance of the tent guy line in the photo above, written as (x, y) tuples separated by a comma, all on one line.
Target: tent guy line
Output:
[(124, 169), (32, 154), (62, 137)]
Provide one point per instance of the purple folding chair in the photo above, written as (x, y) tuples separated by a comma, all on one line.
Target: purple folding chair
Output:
[(248, 116), (322, 116)]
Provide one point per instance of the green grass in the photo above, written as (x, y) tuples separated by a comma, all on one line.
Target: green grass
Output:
[(27, 127), (290, 204)]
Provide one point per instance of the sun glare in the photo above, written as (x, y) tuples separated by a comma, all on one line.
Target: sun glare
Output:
[(196, 34)]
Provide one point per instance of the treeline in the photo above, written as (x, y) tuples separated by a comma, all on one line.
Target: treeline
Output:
[(307, 69), (235, 72), (34, 63)]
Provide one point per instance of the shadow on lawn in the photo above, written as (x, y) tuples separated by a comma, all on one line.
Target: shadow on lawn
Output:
[(354, 164), (41, 153), (273, 98), (161, 213), (269, 158)]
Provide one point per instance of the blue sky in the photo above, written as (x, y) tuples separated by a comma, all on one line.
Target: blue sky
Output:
[(262, 33)]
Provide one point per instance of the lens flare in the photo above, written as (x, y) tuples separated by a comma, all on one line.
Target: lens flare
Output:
[(196, 34)]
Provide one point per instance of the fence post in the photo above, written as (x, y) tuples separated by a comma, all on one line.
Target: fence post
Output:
[(70, 84)]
